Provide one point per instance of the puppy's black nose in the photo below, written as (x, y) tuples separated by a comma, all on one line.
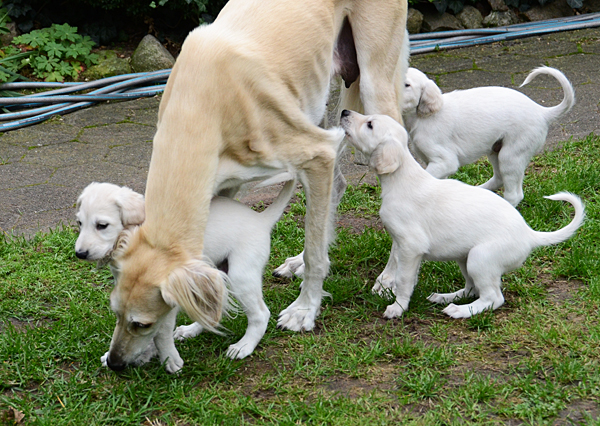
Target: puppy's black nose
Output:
[(82, 254), (345, 113)]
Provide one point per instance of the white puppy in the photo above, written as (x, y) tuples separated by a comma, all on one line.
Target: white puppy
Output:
[(457, 128), (444, 220), (237, 240)]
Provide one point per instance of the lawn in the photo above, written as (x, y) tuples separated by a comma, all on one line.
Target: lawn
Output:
[(533, 361)]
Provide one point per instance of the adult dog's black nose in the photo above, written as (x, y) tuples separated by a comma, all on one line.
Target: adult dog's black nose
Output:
[(82, 254), (345, 113), (115, 367)]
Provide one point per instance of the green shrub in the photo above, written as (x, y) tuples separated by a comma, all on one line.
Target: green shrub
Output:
[(52, 54)]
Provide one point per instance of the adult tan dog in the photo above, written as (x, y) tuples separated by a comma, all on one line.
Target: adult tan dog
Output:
[(243, 103)]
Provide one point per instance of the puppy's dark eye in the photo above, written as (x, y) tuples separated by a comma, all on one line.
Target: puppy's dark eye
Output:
[(79, 223), (406, 84), (141, 325), (101, 226), (370, 124)]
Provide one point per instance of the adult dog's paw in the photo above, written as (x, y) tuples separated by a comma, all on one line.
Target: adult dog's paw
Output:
[(186, 331), (174, 363), (298, 317)]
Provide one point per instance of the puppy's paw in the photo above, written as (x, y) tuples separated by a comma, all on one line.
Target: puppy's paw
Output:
[(439, 298), (239, 351), (186, 331), (292, 266), (384, 285), (457, 311), (298, 317), (174, 363), (393, 311), (103, 359)]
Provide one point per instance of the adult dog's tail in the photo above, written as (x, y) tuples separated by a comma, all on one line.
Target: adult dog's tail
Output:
[(549, 238), (552, 113)]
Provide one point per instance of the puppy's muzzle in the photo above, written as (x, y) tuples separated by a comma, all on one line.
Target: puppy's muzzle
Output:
[(82, 254)]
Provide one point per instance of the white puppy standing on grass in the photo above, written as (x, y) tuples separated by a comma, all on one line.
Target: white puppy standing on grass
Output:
[(432, 219), (237, 239), (457, 128)]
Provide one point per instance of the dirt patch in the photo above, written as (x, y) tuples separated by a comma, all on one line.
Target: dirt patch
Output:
[(560, 290), (578, 412), (357, 225)]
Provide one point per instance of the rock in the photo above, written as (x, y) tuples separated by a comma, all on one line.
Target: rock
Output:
[(109, 64), (470, 17), (414, 21), (150, 55), (500, 19), (444, 22), (498, 5), (552, 10), (6, 38)]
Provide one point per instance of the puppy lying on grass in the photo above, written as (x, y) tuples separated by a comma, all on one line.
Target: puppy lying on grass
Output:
[(457, 128), (444, 220), (237, 240)]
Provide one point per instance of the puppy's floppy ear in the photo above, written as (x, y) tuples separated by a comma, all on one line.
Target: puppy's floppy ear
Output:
[(200, 291), (131, 206), (84, 194), (431, 99), (386, 157)]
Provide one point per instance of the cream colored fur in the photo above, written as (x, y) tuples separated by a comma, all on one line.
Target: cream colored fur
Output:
[(243, 102)]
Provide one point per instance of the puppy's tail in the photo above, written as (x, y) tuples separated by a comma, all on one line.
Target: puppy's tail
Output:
[(552, 113), (275, 210), (549, 238)]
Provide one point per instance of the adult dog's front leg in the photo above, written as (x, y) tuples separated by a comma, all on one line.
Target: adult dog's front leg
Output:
[(165, 344), (317, 179), (295, 265)]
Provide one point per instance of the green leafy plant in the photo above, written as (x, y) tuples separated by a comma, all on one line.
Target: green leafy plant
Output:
[(52, 54)]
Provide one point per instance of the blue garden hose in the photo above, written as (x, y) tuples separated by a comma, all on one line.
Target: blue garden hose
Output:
[(24, 111)]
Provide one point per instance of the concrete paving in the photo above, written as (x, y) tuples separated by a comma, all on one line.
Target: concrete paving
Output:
[(43, 168)]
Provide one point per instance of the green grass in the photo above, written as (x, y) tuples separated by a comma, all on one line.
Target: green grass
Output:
[(536, 360)]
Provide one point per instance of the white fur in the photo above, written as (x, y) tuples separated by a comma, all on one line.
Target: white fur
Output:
[(234, 233), (103, 211), (444, 220), (457, 128)]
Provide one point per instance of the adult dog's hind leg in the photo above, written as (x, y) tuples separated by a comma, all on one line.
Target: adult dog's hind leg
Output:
[(317, 179)]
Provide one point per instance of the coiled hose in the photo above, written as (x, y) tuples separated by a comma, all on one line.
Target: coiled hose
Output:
[(27, 110)]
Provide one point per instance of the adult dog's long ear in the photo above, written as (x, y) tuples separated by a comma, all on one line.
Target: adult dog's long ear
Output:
[(131, 206), (386, 157), (431, 99), (200, 290)]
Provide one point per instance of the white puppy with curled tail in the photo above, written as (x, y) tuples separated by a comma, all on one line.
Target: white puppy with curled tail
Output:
[(433, 219), (450, 130), (237, 240)]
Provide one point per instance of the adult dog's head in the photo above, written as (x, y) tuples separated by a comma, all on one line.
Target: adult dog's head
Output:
[(103, 211), (380, 138), (421, 95), (151, 281)]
